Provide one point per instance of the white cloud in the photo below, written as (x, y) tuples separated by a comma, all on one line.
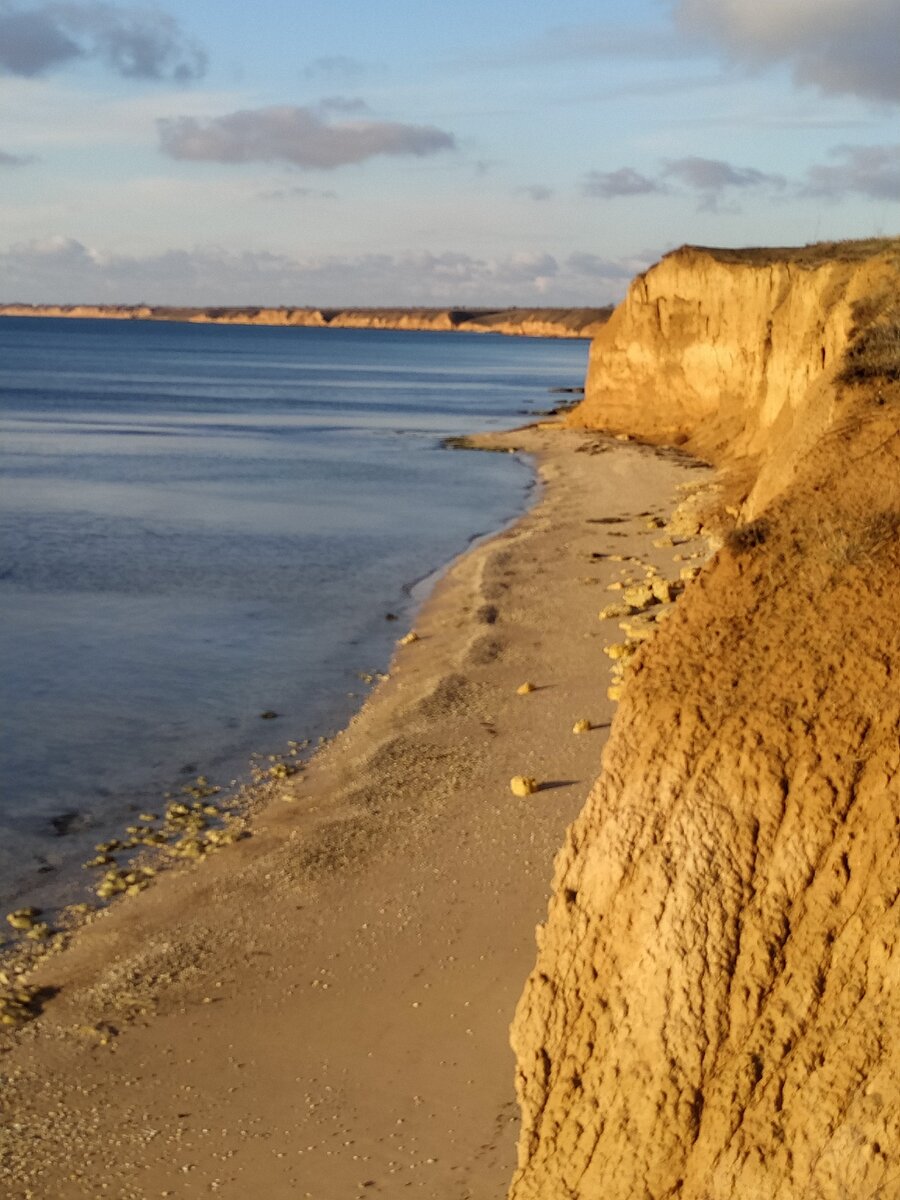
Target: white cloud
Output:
[(712, 179), (536, 191), (840, 46), (15, 160), (714, 175), (872, 171), (624, 182), (608, 269), (304, 136), (66, 271)]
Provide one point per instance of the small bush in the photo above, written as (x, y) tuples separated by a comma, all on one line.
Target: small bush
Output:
[(747, 537)]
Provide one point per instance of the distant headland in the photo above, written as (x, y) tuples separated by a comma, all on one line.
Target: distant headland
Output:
[(522, 322)]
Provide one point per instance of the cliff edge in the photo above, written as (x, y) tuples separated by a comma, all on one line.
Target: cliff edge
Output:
[(714, 1011)]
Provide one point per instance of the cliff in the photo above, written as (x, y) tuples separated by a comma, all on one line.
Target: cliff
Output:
[(522, 322), (734, 354), (714, 1011)]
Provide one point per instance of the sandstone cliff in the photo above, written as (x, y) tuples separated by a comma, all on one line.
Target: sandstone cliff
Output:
[(715, 1008)]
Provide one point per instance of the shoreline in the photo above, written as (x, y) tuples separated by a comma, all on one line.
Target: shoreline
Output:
[(380, 919), (67, 888)]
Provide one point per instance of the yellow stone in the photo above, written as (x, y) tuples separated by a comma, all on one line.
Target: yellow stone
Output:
[(523, 785)]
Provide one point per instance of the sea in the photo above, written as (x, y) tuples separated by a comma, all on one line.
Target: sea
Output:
[(200, 524)]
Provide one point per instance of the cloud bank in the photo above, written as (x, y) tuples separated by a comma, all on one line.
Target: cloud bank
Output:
[(136, 42), (840, 46), (66, 271), (303, 136), (869, 171)]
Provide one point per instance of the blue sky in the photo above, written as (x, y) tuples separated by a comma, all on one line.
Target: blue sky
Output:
[(421, 153)]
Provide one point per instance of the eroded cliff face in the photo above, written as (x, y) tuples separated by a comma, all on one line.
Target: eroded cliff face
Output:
[(733, 356), (715, 1008)]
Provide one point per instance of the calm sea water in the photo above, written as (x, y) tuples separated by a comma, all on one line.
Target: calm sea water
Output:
[(201, 523)]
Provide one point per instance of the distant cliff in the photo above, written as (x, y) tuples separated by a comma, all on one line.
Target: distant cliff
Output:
[(523, 322), (715, 1008)]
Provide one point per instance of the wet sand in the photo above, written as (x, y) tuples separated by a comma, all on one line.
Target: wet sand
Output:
[(322, 1010)]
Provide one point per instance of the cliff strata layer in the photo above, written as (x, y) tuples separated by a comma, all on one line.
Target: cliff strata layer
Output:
[(715, 1007)]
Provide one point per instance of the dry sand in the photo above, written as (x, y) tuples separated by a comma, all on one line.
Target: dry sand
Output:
[(322, 1010)]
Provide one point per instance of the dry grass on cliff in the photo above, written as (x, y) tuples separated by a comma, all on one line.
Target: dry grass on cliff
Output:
[(813, 255), (874, 349)]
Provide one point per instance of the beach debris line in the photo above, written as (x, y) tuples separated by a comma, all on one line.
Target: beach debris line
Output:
[(19, 1003), (646, 603), (23, 918)]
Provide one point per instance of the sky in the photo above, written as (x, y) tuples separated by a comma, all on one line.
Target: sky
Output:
[(406, 152)]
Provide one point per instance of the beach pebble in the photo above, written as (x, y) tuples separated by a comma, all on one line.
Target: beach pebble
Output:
[(640, 595), (641, 628), (614, 610), (582, 726), (523, 785), (22, 918), (409, 638), (524, 688)]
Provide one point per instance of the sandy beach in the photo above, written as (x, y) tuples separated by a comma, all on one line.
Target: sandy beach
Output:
[(322, 1009)]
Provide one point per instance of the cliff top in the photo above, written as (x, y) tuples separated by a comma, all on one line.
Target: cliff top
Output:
[(814, 254)]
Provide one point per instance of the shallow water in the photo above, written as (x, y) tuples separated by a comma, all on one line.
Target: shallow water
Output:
[(202, 523)]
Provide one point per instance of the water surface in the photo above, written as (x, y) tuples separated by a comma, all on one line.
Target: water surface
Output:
[(202, 523)]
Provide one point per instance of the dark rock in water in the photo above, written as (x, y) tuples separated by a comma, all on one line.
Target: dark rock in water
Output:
[(391, 617), (70, 821), (268, 715), (189, 769)]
